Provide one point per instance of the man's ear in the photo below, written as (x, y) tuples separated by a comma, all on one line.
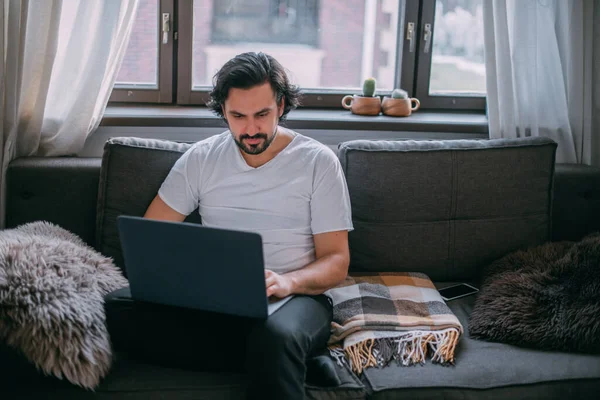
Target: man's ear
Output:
[(281, 106)]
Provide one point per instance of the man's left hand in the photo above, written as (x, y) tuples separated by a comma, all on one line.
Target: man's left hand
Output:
[(278, 285)]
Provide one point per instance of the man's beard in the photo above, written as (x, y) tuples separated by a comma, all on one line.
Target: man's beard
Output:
[(257, 148)]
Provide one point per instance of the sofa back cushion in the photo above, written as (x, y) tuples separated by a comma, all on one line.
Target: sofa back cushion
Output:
[(131, 173), (446, 208)]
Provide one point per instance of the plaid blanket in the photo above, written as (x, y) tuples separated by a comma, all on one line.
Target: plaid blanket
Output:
[(381, 317)]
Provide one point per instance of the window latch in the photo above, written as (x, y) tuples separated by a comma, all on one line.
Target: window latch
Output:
[(166, 27), (410, 36), (427, 38)]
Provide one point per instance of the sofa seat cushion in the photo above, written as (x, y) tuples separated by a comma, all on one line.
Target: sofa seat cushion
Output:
[(504, 371), (129, 380), (132, 380)]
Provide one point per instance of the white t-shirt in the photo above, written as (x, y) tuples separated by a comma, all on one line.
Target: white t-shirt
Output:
[(302, 191)]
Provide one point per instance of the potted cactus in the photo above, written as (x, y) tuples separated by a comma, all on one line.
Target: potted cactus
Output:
[(368, 103), (369, 87), (399, 104)]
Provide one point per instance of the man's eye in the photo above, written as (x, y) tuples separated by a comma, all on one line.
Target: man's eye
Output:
[(262, 115), (237, 116)]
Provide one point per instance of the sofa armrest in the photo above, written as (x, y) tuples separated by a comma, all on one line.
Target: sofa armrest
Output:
[(61, 190), (576, 203)]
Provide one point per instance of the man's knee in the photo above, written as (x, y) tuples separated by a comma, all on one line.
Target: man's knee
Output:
[(298, 328), (288, 336)]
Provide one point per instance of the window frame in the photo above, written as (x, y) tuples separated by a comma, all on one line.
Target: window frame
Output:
[(167, 70), (421, 73), (413, 68)]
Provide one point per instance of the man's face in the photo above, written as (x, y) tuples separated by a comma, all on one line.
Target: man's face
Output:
[(252, 115)]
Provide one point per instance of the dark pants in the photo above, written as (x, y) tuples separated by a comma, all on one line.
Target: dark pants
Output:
[(273, 351)]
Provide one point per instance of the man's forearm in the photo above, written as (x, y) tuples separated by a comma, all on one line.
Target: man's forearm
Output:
[(320, 275)]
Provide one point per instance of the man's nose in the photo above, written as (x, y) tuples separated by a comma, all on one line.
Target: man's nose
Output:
[(252, 128)]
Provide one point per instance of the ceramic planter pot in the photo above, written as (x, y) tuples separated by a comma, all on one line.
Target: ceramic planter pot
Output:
[(399, 107), (362, 105)]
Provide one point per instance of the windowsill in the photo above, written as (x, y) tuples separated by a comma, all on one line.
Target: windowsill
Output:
[(201, 117)]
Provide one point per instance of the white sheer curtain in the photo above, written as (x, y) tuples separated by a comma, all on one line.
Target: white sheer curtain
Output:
[(542, 73), (59, 60)]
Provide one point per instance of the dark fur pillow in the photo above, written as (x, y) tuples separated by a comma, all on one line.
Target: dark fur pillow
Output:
[(547, 297)]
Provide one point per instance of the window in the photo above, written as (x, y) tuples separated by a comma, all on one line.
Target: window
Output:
[(457, 63), (445, 68), (140, 64), (288, 30), (259, 21), (433, 49), (329, 47), (146, 72)]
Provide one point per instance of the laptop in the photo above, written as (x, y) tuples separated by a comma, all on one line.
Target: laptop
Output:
[(192, 266)]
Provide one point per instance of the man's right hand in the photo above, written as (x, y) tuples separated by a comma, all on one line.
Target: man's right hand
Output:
[(279, 286)]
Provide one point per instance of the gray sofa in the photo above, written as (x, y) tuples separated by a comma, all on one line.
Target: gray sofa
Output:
[(445, 208)]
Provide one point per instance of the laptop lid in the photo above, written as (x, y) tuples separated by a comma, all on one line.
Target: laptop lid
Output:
[(193, 266)]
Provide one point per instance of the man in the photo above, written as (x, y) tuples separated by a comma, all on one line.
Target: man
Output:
[(261, 177)]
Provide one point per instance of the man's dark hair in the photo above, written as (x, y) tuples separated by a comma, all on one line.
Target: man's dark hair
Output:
[(250, 69)]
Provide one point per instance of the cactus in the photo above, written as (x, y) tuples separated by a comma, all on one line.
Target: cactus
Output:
[(399, 94), (369, 87)]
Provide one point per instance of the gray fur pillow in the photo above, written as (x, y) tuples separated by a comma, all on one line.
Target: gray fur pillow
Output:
[(547, 297), (51, 301)]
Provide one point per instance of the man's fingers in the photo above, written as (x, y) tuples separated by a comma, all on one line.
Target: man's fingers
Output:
[(272, 283), (270, 280), (272, 290)]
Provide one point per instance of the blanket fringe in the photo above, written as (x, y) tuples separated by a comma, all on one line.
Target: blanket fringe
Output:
[(407, 349)]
